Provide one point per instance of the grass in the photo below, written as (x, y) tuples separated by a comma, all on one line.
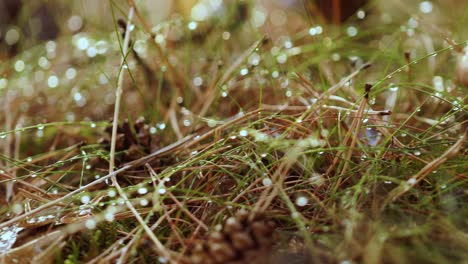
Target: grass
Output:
[(353, 144)]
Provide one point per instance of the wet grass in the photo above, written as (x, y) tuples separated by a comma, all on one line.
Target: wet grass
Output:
[(353, 144)]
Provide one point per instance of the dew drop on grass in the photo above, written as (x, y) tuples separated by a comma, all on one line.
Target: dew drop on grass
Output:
[(85, 199), (412, 181), (226, 35), (39, 133), (108, 182), (352, 31), (162, 260), (425, 7), (142, 190), (161, 126), (29, 159), (267, 182), (92, 125), (302, 201), (192, 25), (111, 193), (282, 58), (144, 202), (243, 133), (3, 135), (361, 14), (417, 152), (109, 216), (161, 190), (90, 224), (244, 71), (186, 122)]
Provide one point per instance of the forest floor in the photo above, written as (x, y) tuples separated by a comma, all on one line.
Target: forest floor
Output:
[(241, 138)]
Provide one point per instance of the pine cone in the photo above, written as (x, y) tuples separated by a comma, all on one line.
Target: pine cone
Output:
[(137, 144), (239, 240)]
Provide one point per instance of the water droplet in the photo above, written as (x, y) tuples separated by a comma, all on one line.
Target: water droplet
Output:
[(109, 182), (192, 25), (317, 30), (187, 122), (394, 89), (243, 133), (417, 152), (161, 190), (53, 81), (226, 35), (361, 14), (197, 81), (144, 202), (411, 181), (109, 216), (142, 190), (302, 201), (85, 199), (244, 71), (19, 65), (90, 224), (425, 7), (162, 260), (161, 126), (266, 182), (111, 193), (282, 58), (352, 31), (40, 126)]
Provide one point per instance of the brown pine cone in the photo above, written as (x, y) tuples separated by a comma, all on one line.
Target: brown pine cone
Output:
[(136, 142), (240, 240)]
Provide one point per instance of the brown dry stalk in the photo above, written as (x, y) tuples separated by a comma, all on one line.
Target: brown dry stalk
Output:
[(356, 126), (127, 166), (421, 175)]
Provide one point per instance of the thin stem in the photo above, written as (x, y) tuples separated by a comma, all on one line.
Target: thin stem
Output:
[(118, 94)]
